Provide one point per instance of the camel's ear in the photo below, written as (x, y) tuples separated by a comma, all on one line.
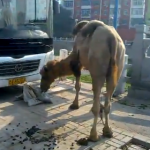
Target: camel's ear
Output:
[(44, 69)]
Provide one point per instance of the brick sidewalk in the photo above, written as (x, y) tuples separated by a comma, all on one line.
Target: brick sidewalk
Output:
[(67, 125)]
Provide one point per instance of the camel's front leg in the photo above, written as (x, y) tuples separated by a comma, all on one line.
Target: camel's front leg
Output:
[(97, 85), (75, 104)]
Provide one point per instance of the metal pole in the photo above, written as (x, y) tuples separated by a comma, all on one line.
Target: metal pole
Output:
[(52, 13), (2, 3), (35, 9), (100, 10), (116, 13), (50, 19)]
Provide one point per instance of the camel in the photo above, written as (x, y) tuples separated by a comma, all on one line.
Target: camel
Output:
[(98, 48)]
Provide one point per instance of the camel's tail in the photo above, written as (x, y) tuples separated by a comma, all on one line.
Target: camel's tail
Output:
[(90, 27), (113, 67)]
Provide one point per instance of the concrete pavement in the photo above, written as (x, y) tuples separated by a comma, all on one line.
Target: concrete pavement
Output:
[(128, 123)]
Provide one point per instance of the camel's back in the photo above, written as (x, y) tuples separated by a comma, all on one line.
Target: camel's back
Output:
[(115, 33), (120, 47), (101, 37), (94, 42)]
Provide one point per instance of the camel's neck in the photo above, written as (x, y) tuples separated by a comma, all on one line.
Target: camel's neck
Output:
[(68, 66), (64, 68)]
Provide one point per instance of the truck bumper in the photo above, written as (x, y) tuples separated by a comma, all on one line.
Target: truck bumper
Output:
[(31, 76)]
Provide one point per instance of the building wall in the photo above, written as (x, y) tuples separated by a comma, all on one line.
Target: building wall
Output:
[(104, 8), (95, 9), (69, 5), (124, 19), (147, 12), (131, 12), (138, 12)]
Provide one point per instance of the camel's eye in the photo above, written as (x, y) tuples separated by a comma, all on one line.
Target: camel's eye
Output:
[(44, 78), (45, 68)]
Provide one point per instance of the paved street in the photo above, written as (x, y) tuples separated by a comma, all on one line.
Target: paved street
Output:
[(67, 126)]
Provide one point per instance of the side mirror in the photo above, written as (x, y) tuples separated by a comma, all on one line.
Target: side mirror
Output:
[(56, 7)]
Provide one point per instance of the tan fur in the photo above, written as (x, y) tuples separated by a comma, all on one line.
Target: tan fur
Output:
[(101, 51), (79, 26), (90, 27)]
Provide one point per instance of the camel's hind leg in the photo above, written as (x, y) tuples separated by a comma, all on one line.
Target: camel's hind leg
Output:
[(98, 82), (111, 83)]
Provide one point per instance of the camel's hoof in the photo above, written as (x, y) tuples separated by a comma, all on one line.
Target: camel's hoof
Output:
[(74, 107), (93, 137), (107, 132)]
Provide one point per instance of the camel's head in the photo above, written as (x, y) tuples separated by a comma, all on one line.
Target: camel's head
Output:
[(48, 75)]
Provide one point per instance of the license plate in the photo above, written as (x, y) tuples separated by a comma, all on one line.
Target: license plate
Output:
[(16, 81)]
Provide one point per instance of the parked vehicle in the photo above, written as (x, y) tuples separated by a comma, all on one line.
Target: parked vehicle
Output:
[(23, 51)]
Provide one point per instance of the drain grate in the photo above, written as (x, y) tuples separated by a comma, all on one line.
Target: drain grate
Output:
[(136, 144), (131, 146)]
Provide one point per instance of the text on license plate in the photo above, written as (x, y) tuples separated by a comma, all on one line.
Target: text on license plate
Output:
[(16, 81)]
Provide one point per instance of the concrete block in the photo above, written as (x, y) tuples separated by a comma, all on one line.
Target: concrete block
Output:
[(117, 130), (111, 148), (127, 139), (111, 143), (142, 140), (117, 141), (129, 134), (120, 137), (104, 146)]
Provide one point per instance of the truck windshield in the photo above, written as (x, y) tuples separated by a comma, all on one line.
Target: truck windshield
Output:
[(25, 27), (22, 14)]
